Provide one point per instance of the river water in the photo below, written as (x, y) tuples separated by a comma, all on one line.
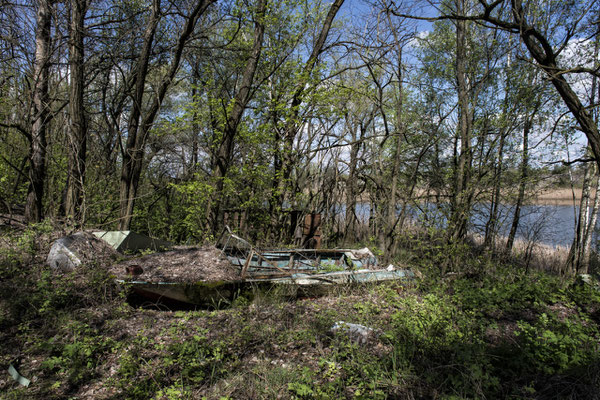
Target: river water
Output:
[(549, 224), (552, 225)]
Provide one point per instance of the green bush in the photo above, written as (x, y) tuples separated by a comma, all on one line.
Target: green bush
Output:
[(434, 339), (554, 346)]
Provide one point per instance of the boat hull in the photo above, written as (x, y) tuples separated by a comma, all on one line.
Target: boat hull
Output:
[(218, 294)]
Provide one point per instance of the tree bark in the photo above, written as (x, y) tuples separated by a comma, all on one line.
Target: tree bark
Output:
[(576, 251), (460, 204), (40, 117), (587, 240), (78, 125), (351, 221), (392, 217), (522, 184), (491, 227)]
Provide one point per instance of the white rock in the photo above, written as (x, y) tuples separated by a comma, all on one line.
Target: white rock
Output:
[(61, 257), (355, 332)]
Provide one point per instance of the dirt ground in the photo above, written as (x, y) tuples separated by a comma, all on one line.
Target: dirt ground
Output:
[(184, 264), (89, 248)]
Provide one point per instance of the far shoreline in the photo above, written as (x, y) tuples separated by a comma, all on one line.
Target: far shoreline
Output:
[(558, 197)]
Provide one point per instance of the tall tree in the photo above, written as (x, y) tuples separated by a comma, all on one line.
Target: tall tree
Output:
[(539, 42), (233, 118), (292, 119), (40, 116), (461, 190), (141, 119), (78, 120), (579, 254)]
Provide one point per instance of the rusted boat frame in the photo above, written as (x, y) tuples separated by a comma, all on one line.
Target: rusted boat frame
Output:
[(300, 271)]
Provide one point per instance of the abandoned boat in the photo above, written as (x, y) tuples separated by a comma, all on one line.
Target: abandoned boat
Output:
[(297, 272)]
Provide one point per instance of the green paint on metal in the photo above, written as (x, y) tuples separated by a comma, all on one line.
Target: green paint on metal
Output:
[(124, 241), (223, 292), (18, 377)]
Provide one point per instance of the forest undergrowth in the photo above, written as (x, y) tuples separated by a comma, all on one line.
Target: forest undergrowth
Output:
[(481, 329)]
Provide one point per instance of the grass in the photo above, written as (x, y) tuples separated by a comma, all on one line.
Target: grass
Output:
[(486, 331), (537, 256)]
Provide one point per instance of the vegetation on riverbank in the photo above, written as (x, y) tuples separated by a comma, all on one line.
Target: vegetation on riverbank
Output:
[(182, 117), (281, 122), (485, 330)]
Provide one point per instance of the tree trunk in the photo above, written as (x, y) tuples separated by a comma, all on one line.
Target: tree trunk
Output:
[(195, 125), (491, 226), (461, 206), (576, 251), (580, 251), (522, 183), (40, 117), (133, 153), (292, 124), (224, 154), (78, 126), (351, 222), (392, 217), (141, 122), (587, 240)]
